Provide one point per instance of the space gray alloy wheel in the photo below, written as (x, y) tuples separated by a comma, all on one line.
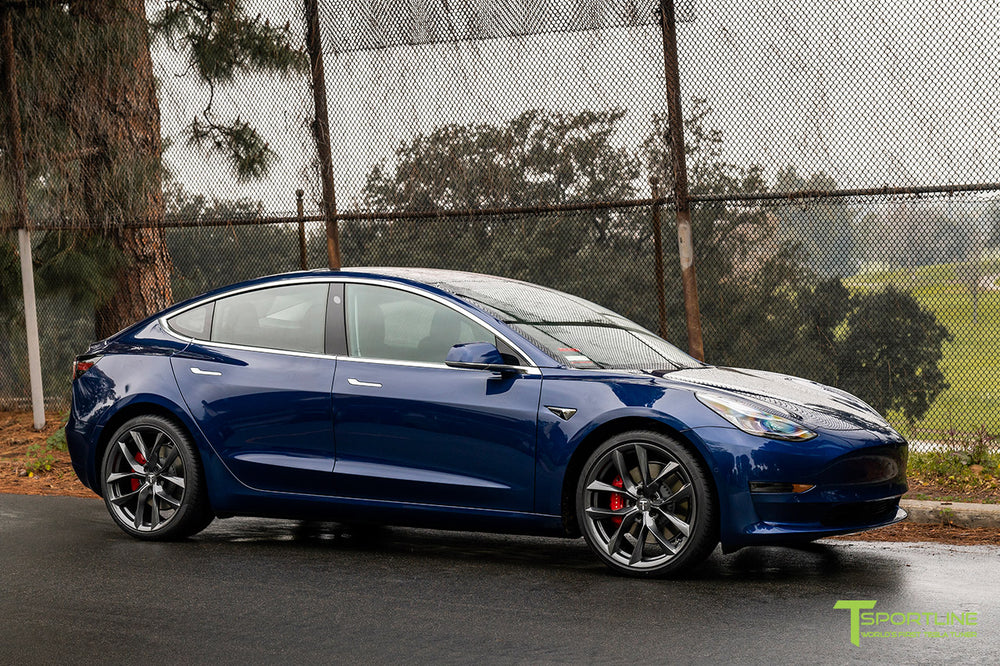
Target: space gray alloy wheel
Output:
[(645, 505), (152, 480)]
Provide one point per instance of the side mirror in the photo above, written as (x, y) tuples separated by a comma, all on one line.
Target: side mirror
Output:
[(479, 356)]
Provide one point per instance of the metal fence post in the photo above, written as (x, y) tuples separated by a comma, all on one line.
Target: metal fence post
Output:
[(9, 67), (303, 264), (31, 330), (321, 132), (661, 295), (675, 119)]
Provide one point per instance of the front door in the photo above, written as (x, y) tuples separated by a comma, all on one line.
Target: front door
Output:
[(409, 428)]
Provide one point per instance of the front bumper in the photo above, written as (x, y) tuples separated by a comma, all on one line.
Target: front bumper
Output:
[(857, 479)]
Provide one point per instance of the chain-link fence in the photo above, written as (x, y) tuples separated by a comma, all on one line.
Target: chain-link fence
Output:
[(841, 159)]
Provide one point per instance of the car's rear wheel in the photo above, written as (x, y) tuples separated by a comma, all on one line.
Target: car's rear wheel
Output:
[(152, 481), (646, 505)]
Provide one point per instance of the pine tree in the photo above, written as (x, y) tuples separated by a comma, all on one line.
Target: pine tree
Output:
[(91, 124)]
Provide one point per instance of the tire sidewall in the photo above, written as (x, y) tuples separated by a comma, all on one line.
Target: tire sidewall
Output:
[(193, 504), (704, 534)]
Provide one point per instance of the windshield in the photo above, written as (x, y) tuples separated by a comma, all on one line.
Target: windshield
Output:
[(576, 332), (611, 347), (573, 331)]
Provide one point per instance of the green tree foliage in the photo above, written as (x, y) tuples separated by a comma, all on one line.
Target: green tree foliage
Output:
[(914, 232), (74, 273), (762, 303), (891, 353), (210, 257), (63, 53), (821, 228), (75, 277), (79, 266), (752, 282), (91, 131), (10, 274), (539, 157)]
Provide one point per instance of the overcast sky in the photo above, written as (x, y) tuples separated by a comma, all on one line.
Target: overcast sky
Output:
[(897, 92)]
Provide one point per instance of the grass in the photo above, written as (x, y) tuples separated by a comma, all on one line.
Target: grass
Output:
[(41, 457), (964, 472), (971, 362)]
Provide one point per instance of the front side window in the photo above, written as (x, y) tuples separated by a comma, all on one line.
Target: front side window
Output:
[(290, 318), (386, 323)]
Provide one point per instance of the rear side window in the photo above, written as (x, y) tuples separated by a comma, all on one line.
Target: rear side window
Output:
[(195, 323), (290, 318)]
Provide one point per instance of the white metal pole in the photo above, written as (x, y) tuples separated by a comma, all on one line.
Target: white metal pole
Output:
[(31, 330), (9, 71)]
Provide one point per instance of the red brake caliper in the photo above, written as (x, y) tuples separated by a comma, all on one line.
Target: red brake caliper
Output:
[(141, 459), (617, 501)]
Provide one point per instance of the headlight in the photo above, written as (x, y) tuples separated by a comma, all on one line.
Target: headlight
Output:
[(753, 420)]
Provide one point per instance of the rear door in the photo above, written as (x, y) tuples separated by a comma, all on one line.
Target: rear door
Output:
[(257, 380), (409, 428)]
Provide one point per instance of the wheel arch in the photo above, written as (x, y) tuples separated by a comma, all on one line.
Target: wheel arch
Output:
[(602, 433), (130, 411)]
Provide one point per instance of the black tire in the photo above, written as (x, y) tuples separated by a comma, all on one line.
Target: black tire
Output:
[(635, 520), (152, 481)]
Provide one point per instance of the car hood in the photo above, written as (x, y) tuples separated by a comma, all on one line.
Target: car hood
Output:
[(812, 404)]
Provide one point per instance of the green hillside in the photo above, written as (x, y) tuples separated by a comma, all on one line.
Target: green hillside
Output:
[(971, 361)]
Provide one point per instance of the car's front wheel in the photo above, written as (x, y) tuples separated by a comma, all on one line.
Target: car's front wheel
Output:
[(645, 505), (152, 481)]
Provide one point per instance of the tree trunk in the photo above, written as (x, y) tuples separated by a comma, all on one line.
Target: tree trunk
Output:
[(116, 109), (142, 286)]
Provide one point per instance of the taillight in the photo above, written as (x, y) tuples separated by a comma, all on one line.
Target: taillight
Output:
[(81, 366)]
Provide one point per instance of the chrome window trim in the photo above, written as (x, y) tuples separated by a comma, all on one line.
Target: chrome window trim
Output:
[(527, 370), (265, 350), (531, 369), (523, 369)]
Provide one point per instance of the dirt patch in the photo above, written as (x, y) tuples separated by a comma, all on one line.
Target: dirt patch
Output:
[(921, 489), (963, 536), (16, 432), (16, 435)]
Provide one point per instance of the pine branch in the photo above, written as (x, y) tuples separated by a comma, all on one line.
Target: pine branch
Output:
[(224, 42), (241, 145)]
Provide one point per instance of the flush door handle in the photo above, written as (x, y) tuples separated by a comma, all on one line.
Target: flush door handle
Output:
[(357, 382)]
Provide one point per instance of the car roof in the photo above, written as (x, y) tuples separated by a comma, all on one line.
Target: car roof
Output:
[(507, 299), (458, 286)]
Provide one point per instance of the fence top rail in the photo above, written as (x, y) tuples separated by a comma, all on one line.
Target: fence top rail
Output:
[(884, 191), (371, 216)]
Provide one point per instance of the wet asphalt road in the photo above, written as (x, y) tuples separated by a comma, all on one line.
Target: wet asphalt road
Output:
[(72, 587)]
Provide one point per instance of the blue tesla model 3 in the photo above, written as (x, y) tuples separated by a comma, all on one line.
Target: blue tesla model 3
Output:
[(455, 400)]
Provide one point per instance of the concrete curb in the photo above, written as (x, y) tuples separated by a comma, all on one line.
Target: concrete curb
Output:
[(961, 514)]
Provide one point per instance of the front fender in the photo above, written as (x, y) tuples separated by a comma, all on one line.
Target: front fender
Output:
[(600, 400)]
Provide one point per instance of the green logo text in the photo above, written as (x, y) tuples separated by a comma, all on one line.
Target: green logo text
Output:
[(905, 625)]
